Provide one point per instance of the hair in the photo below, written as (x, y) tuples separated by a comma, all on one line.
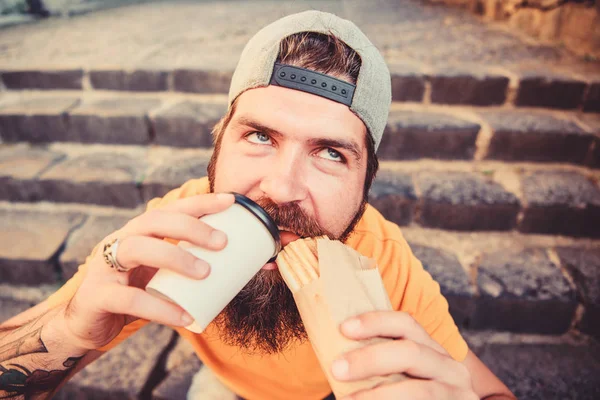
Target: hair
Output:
[(323, 53)]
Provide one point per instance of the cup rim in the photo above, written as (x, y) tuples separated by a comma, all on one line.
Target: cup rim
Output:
[(263, 217)]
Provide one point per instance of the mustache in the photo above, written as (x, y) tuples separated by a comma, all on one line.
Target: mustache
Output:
[(293, 218)]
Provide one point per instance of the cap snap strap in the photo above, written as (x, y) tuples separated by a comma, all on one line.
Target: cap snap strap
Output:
[(313, 82)]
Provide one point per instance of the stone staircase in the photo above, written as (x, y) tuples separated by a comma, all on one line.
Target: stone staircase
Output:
[(490, 163)]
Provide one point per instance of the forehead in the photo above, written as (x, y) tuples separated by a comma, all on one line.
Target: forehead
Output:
[(293, 112)]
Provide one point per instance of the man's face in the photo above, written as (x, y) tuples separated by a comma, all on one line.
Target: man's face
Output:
[(303, 158), (295, 147)]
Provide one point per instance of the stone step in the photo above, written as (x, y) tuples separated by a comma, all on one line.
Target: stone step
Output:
[(541, 367), (414, 131), (434, 53), (520, 360), (464, 85), (528, 283), (456, 195), (154, 362)]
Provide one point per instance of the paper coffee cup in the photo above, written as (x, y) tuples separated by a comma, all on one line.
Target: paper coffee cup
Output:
[(253, 240)]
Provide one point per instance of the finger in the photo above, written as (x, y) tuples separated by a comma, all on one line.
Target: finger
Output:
[(118, 299), (174, 225), (399, 356), (415, 390), (391, 324), (135, 251), (202, 204)]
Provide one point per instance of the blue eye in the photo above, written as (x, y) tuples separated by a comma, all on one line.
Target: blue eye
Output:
[(331, 154), (258, 138)]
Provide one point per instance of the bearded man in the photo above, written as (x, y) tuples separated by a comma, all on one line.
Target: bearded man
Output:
[(308, 105)]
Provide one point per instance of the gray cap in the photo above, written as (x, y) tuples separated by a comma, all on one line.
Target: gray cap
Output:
[(373, 94)]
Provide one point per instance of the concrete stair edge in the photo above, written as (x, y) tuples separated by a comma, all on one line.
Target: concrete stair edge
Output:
[(467, 85)]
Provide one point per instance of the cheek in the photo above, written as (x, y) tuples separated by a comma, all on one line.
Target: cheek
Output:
[(335, 202), (236, 173)]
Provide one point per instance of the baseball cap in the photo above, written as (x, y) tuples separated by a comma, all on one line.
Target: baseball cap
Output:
[(370, 98)]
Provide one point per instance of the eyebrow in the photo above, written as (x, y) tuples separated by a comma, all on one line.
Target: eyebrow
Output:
[(348, 145)]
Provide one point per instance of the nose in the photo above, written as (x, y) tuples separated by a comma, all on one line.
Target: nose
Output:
[(285, 180)]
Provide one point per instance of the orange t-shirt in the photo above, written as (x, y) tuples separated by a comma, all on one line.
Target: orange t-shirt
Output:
[(295, 374)]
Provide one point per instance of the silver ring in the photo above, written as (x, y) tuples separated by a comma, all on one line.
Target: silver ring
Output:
[(110, 256)]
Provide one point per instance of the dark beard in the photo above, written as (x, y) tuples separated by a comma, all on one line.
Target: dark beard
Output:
[(263, 317)]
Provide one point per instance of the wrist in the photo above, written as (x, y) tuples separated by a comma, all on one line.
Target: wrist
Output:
[(58, 334)]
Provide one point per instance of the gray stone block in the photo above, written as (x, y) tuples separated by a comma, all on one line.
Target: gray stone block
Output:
[(550, 91), (19, 168), (479, 88), (414, 135), (530, 136), (45, 80), (523, 291), (137, 81), (178, 381), (16, 299), (31, 241), (181, 352), (188, 124), (125, 371), (85, 238), (465, 201), (408, 83), (40, 120), (445, 268), (106, 178), (593, 160), (546, 371), (584, 267), (201, 81), (560, 202), (112, 121), (172, 174), (393, 195), (592, 99)]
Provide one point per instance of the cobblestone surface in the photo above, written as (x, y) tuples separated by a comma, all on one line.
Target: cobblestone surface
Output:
[(546, 371), (584, 267), (414, 135), (135, 359), (465, 201), (519, 290), (560, 202), (84, 239), (454, 282), (30, 242)]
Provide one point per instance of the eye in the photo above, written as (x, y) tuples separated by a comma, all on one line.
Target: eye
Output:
[(331, 154), (258, 138)]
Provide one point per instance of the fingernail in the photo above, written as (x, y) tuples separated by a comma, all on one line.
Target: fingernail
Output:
[(340, 368), (218, 238), (202, 268), (352, 325), (186, 318)]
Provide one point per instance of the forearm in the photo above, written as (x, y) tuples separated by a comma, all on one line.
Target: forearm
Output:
[(36, 357)]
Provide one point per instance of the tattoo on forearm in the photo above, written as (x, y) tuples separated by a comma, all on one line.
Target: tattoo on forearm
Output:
[(28, 344), (20, 382), (17, 380)]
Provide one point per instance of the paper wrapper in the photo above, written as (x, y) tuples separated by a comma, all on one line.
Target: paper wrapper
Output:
[(348, 285)]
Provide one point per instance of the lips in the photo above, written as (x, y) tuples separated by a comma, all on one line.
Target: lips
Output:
[(286, 237)]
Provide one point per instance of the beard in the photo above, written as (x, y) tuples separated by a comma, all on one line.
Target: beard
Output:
[(263, 317)]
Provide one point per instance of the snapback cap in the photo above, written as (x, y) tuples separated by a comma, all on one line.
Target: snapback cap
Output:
[(370, 98)]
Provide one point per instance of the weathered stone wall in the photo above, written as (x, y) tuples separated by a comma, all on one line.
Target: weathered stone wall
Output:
[(572, 23)]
